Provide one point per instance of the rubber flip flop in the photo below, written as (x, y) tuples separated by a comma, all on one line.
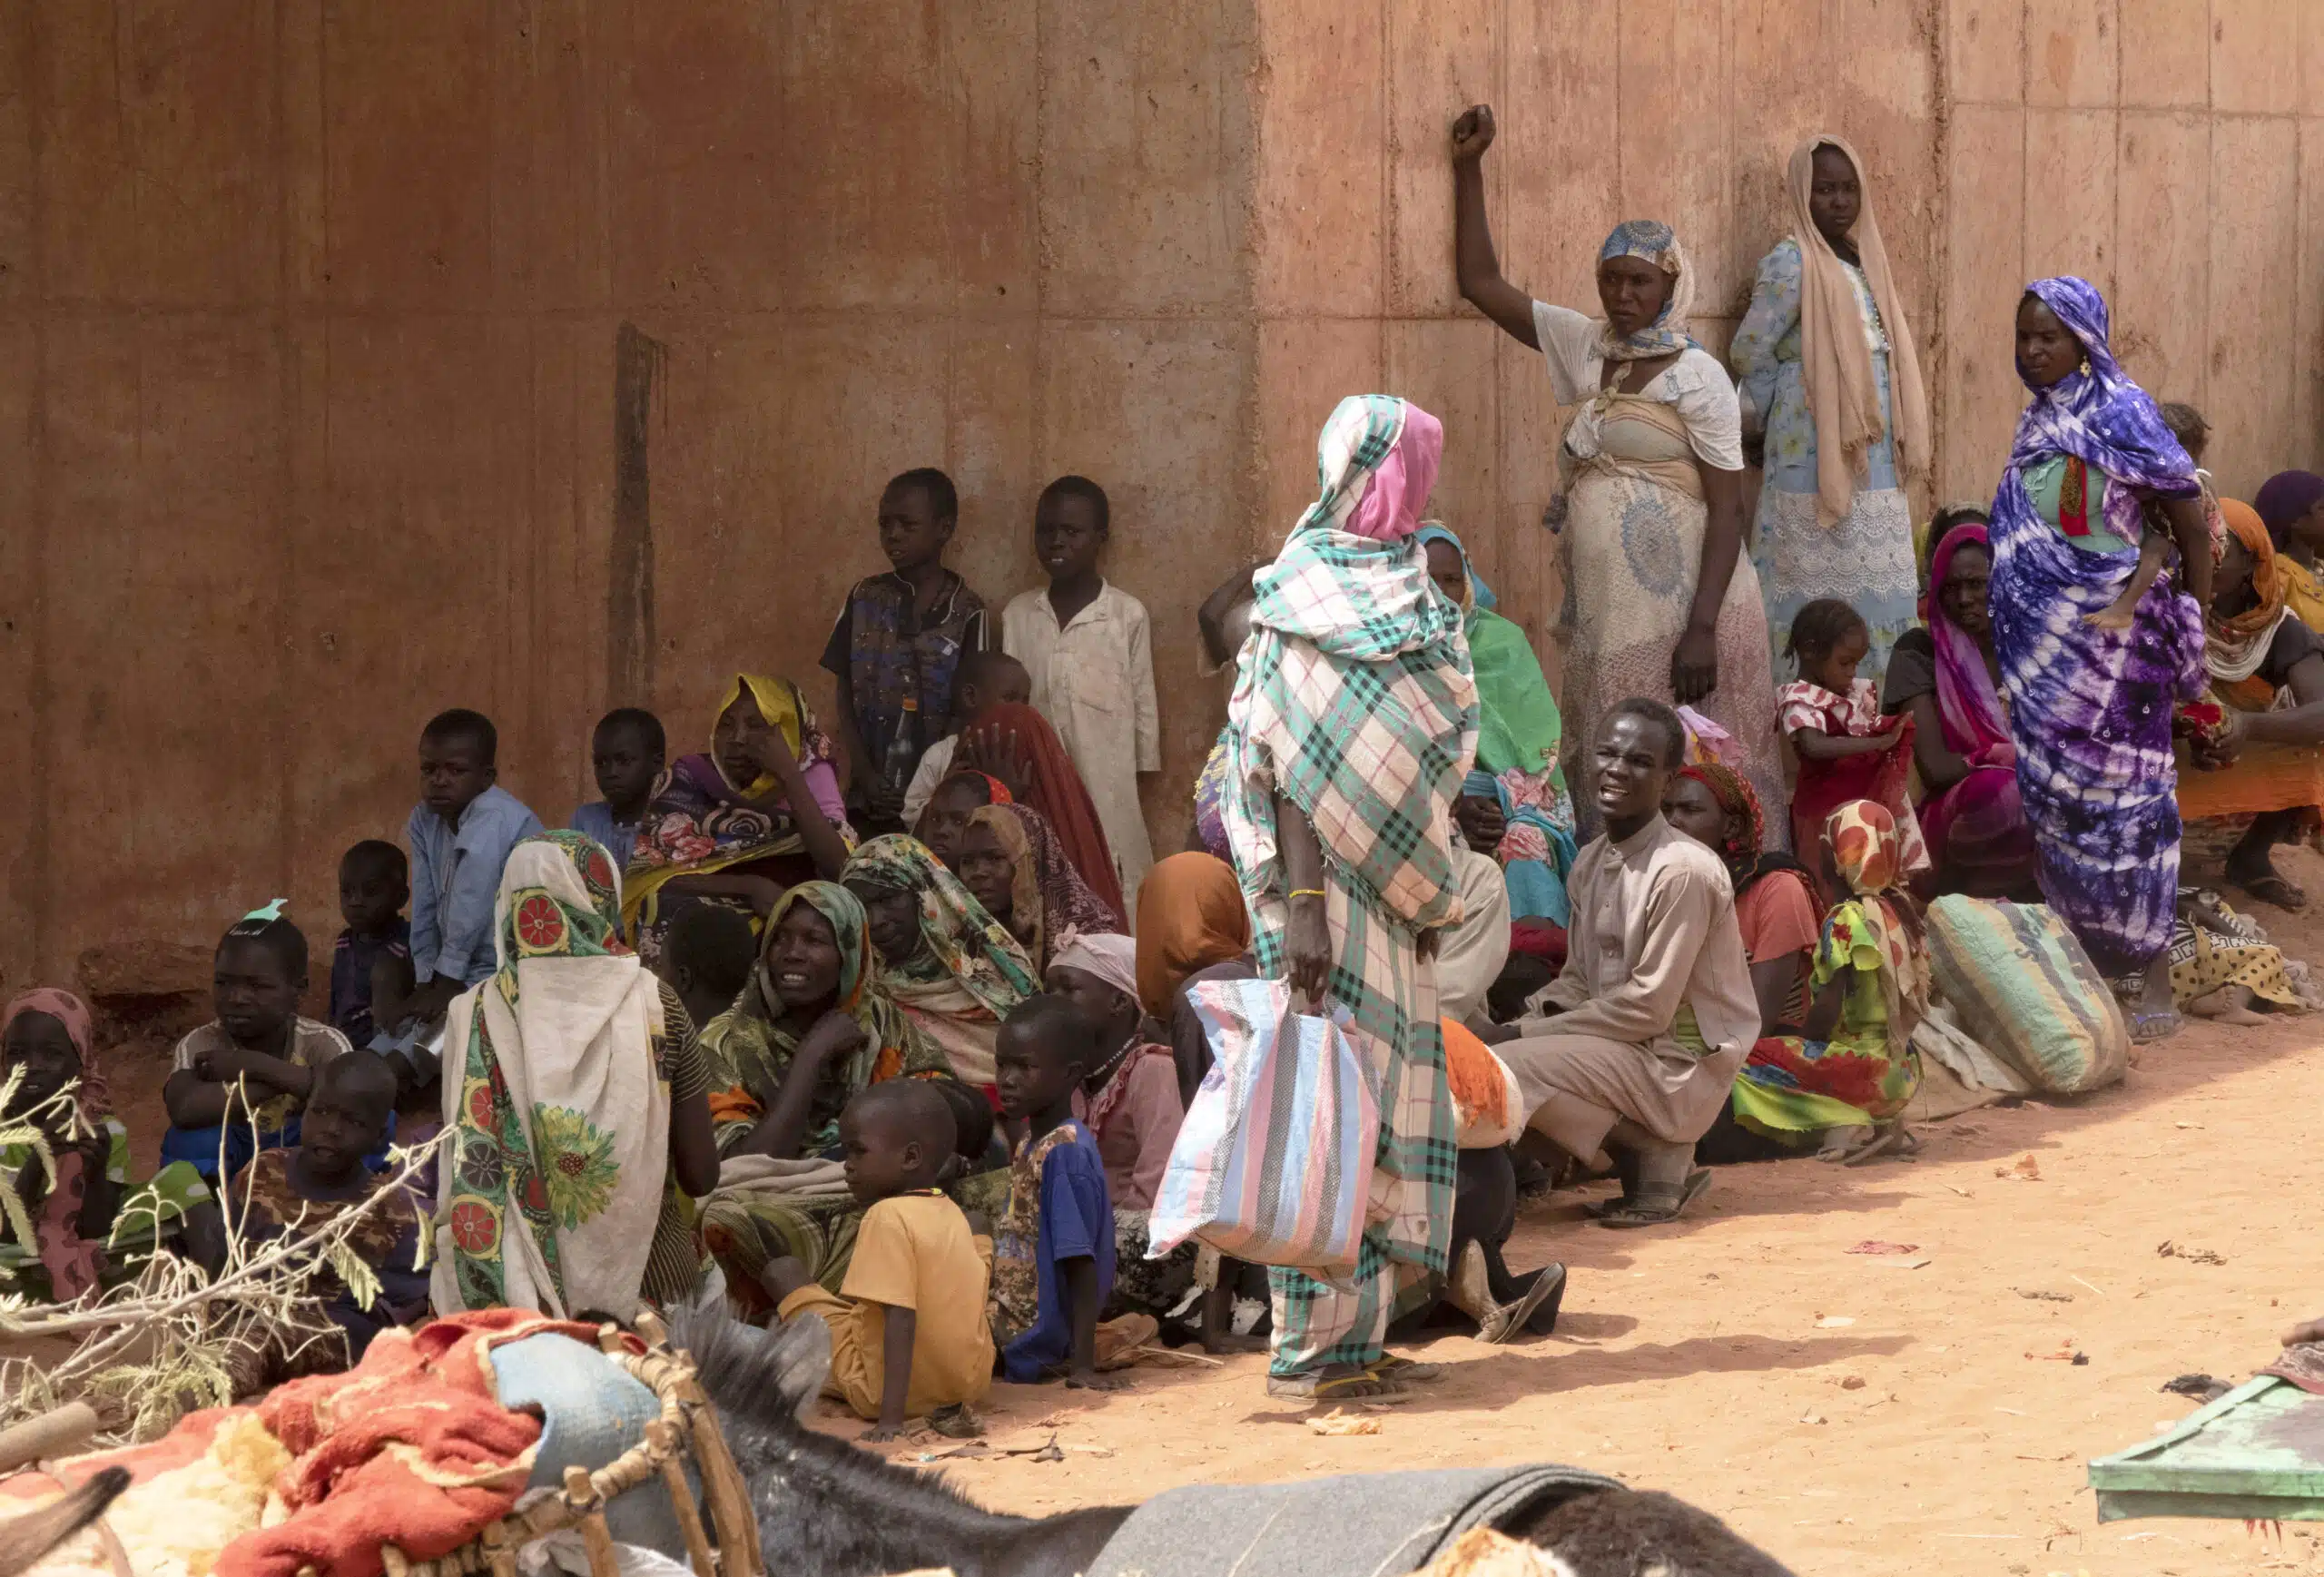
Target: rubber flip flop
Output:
[(1405, 1371), (1547, 1291), (1360, 1386)]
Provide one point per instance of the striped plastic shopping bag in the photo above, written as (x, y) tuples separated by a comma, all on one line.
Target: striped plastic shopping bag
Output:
[(1273, 1165)]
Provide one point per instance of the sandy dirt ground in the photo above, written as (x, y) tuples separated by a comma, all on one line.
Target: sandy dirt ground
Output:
[(1932, 1434)]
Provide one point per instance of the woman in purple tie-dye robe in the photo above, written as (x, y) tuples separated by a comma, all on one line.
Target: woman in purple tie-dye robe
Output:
[(2090, 708)]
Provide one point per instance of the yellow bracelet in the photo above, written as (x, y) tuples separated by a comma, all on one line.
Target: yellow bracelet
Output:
[(1307, 892)]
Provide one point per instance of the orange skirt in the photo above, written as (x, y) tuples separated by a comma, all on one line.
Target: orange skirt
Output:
[(2266, 777)]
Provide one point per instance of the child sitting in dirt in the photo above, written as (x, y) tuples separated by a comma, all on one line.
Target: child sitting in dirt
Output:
[(1053, 1256), (294, 1192), (908, 1329)]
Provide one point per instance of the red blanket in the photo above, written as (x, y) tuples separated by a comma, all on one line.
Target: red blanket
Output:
[(411, 1447)]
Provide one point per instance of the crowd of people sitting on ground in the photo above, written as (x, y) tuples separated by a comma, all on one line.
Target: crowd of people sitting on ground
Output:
[(895, 1026)]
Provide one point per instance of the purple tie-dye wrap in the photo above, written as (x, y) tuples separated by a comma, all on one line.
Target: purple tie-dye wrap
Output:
[(2091, 709)]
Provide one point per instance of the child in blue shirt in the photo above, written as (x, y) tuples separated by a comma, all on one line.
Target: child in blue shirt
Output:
[(461, 834), (627, 753), (1053, 1254)]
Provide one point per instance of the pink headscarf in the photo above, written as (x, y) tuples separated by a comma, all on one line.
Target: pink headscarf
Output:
[(74, 1264), (92, 1099), (1390, 509), (1966, 702)]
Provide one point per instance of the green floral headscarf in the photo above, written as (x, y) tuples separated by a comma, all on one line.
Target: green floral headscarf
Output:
[(570, 909), (750, 1051), (970, 974), (964, 941)]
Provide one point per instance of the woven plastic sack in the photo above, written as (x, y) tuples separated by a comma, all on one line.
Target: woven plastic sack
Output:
[(1273, 1165), (2024, 990)]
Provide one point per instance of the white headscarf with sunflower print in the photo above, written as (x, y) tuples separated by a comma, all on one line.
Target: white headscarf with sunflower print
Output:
[(549, 1197)]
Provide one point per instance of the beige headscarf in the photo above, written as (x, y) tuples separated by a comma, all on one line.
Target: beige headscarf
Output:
[(1836, 364)]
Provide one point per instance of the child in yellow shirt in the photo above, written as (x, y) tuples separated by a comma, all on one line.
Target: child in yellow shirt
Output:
[(909, 1335)]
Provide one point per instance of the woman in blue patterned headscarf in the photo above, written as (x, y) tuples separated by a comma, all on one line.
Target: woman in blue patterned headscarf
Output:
[(2091, 709)]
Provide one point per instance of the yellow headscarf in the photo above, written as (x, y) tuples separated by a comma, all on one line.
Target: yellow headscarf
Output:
[(779, 702)]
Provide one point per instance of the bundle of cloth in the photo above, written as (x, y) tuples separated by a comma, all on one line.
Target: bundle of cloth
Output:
[(439, 1432)]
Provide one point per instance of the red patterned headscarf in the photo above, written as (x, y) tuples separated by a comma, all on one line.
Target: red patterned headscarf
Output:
[(92, 1100), (1869, 857), (1746, 825), (1055, 789)]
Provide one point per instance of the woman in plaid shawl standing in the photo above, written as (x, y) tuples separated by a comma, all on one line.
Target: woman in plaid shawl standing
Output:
[(1353, 723)]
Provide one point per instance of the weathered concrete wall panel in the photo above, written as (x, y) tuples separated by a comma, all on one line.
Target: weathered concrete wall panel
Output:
[(322, 314), (2162, 158)]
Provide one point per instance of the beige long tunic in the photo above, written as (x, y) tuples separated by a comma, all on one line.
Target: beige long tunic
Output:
[(1654, 934), (1093, 679)]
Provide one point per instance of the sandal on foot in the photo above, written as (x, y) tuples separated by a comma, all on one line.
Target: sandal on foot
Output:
[(1548, 1291), (1836, 1151), (957, 1422), (1320, 1386), (1656, 1205), (1405, 1371), (1885, 1141)]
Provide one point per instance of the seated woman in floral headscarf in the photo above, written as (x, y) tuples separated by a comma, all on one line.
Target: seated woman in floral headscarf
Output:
[(2290, 504), (1775, 901), (1518, 736), (953, 969), (1017, 745), (1847, 1077), (2256, 735), (723, 826), (1008, 858), (815, 1026)]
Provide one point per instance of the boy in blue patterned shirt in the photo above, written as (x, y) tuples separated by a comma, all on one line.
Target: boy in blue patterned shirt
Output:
[(897, 647)]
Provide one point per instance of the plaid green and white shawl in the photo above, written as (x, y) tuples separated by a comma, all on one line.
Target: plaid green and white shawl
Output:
[(1354, 696), (1354, 699)]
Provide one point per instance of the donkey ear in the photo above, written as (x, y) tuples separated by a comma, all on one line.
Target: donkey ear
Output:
[(801, 1358)]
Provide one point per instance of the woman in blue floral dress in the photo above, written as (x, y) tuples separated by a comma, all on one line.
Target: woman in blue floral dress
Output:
[(1825, 366)]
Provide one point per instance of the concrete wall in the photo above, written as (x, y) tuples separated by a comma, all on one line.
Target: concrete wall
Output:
[(318, 422), (2172, 153), (1680, 110), (313, 313)]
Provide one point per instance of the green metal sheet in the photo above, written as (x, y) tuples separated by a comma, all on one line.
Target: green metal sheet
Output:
[(2256, 1454)]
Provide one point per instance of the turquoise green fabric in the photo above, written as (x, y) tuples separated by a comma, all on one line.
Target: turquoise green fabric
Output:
[(2046, 479)]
